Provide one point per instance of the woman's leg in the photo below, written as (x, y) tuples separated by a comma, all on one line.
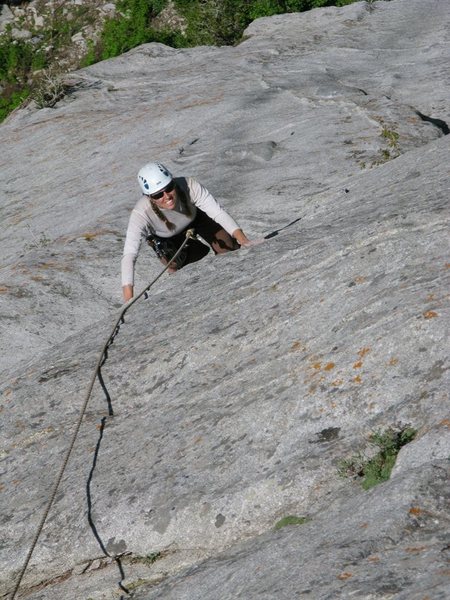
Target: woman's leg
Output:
[(219, 240)]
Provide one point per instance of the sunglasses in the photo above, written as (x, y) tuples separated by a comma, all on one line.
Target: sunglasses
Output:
[(166, 190)]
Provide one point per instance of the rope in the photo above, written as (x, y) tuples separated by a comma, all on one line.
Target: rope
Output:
[(101, 360)]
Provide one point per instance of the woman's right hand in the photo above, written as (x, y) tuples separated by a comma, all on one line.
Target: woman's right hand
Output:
[(128, 292)]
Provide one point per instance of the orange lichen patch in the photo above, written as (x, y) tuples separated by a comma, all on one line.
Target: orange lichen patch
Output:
[(4, 289), (317, 366), (373, 558), (38, 436), (430, 314), (359, 279), (357, 364), (53, 265), (203, 102), (89, 235), (345, 575), (21, 269), (7, 392), (175, 143), (329, 366), (415, 549), (16, 219), (392, 362), (337, 382), (416, 511), (444, 572), (357, 379), (363, 352), (296, 346), (447, 265), (445, 423)]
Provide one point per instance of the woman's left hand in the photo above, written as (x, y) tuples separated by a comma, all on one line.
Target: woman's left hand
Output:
[(243, 240), (249, 243)]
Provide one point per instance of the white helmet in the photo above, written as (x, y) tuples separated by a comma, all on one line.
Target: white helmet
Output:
[(154, 177)]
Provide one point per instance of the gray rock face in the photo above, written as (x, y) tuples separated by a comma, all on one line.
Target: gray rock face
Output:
[(244, 380), (6, 16)]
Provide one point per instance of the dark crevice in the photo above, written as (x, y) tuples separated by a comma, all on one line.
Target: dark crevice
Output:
[(116, 558), (439, 123)]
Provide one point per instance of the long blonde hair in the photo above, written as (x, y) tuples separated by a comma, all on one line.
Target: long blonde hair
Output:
[(170, 226)]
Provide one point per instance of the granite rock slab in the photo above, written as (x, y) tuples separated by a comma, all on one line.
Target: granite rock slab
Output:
[(244, 380)]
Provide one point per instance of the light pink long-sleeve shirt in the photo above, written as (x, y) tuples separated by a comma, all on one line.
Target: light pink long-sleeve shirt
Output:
[(144, 221)]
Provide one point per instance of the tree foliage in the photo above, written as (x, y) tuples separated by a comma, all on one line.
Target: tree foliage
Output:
[(207, 22), (222, 22), (17, 59)]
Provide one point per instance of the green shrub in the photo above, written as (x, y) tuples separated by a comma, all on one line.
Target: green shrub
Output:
[(371, 472), (48, 88), (208, 22), (222, 22), (11, 99), (18, 59), (130, 28)]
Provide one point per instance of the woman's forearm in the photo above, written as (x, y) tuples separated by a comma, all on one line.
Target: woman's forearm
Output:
[(240, 237)]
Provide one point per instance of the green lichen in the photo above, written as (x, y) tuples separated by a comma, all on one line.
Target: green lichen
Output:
[(291, 520)]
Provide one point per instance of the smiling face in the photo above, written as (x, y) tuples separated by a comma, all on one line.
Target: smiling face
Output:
[(166, 198)]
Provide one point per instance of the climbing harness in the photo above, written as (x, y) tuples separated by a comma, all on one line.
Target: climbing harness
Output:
[(190, 234), (165, 248)]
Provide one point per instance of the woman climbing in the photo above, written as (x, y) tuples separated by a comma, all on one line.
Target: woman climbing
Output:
[(169, 206)]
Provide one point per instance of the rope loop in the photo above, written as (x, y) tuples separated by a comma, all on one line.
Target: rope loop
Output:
[(97, 373)]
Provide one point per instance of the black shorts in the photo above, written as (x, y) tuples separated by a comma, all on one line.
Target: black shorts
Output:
[(213, 233)]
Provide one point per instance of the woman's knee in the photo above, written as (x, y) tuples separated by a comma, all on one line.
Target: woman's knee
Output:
[(223, 242)]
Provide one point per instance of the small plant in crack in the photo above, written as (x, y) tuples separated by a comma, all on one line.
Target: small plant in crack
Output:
[(152, 557), (376, 469), (36, 242), (391, 136), (148, 559), (49, 89)]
